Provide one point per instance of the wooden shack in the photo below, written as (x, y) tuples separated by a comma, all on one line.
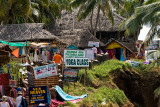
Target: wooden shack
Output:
[(121, 50)]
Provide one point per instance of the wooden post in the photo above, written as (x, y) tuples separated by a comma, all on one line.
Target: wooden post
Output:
[(85, 76)]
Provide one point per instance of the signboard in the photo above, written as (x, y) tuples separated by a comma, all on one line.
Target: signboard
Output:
[(38, 95), (73, 54), (152, 47), (45, 71), (89, 54), (13, 83), (92, 43), (70, 75), (77, 62)]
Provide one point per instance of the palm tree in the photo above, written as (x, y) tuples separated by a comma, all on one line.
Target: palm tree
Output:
[(14, 11), (87, 7), (39, 11), (147, 14)]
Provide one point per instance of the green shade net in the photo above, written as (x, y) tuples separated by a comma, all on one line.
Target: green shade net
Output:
[(15, 43), (72, 47)]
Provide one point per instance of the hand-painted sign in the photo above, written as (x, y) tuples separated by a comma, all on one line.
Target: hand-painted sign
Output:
[(92, 43), (45, 71), (70, 75), (77, 62), (75, 58), (13, 83), (73, 54), (38, 95), (89, 54), (152, 47)]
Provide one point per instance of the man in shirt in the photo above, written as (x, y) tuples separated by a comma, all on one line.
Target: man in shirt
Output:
[(95, 51), (57, 58)]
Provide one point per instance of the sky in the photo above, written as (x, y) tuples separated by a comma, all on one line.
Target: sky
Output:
[(143, 32)]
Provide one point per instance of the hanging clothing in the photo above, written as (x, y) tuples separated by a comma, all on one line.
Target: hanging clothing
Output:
[(20, 50), (2, 90), (35, 56), (23, 51), (44, 56), (122, 55)]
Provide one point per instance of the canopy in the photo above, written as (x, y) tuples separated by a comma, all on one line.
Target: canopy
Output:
[(72, 47), (39, 45), (15, 43)]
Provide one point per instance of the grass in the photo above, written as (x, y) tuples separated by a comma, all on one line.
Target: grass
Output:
[(102, 71), (99, 84)]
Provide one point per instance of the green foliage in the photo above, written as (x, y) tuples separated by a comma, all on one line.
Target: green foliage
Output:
[(111, 95), (102, 71), (69, 104), (14, 69), (157, 92)]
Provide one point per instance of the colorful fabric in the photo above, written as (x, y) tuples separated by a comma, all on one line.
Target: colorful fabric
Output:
[(57, 58), (94, 49), (75, 101), (11, 101), (122, 55), (2, 90), (55, 103), (67, 97)]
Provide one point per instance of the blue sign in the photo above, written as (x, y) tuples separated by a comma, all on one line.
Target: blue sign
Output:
[(39, 94)]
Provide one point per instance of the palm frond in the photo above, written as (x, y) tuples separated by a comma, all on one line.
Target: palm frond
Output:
[(77, 3), (86, 9), (157, 92), (109, 12)]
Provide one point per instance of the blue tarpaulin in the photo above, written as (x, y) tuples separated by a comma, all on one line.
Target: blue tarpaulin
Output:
[(67, 97)]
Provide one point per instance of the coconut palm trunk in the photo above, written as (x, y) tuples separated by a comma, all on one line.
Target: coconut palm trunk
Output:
[(98, 12)]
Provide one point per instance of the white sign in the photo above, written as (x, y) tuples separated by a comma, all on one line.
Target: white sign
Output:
[(89, 54), (77, 62), (45, 71), (92, 43), (73, 54)]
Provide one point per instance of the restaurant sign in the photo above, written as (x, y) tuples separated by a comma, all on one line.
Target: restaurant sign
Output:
[(38, 95), (45, 71)]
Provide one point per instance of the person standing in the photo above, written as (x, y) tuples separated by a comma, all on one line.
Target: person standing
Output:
[(20, 100), (4, 102), (95, 51), (57, 58)]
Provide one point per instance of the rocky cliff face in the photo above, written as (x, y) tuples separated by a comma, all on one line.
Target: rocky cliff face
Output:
[(139, 88)]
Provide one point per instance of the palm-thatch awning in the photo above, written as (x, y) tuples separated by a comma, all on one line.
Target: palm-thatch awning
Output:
[(118, 44), (25, 32), (78, 38)]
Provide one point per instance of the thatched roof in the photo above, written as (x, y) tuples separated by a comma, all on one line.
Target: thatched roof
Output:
[(23, 32), (128, 45), (78, 37), (69, 21)]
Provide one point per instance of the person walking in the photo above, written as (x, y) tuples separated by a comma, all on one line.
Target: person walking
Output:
[(95, 51), (4, 102), (20, 100)]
